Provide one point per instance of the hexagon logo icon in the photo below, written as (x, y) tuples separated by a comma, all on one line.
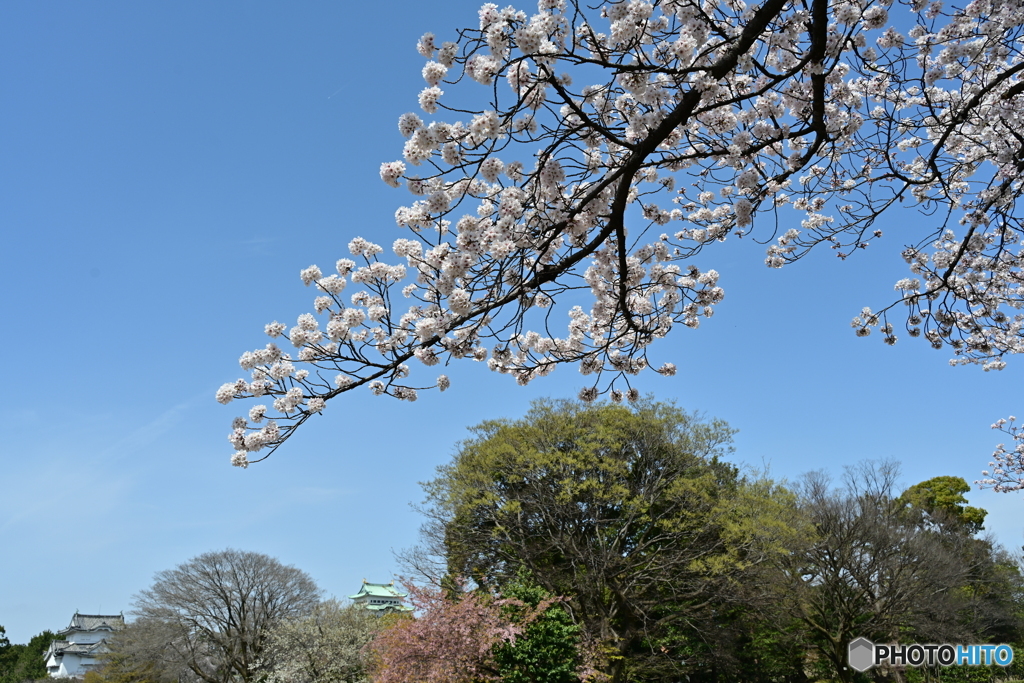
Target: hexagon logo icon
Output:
[(862, 654)]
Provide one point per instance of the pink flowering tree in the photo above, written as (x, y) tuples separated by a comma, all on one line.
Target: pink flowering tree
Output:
[(452, 641), (557, 222)]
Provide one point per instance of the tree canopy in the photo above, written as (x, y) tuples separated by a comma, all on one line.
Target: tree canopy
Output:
[(942, 498), (895, 568), (573, 162), (211, 617), (20, 663), (463, 635), (453, 640), (672, 564), (627, 511), (327, 646)]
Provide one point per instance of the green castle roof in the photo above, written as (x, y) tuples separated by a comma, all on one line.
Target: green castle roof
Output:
[(378, 590)]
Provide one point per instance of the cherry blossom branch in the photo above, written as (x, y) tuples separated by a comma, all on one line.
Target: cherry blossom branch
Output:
[(1007, 473), (701, 114)]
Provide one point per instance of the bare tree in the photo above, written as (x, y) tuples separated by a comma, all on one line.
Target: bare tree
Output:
[(216, 611), (145, 652), (874, 570)]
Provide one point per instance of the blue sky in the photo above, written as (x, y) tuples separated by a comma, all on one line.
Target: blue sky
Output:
[(166, 169)]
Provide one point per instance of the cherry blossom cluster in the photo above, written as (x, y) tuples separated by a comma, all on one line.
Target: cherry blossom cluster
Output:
[(560, 222), (453, 638), (1007, 473)]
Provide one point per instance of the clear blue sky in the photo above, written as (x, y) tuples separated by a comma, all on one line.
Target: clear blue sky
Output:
[(166, 169)]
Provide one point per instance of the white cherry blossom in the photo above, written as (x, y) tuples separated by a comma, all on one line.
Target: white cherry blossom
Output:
[(697, 123)]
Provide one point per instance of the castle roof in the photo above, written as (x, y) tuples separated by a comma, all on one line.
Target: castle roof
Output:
[(63, 647), (95, 622), (378, 590)]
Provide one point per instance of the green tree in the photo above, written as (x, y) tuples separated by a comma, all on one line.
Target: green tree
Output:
[(941, 499), (990, 593), (5, 651), (625, 510), (8, 655), (549, 649), (24, 662)]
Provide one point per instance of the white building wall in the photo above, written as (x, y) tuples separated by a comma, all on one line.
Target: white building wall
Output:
[(71, 665), (86, 637), (51, 663)]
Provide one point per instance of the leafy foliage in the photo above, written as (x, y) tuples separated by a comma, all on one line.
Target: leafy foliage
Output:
[(549, 650), (19, 663), (623, 510), (943, 499)]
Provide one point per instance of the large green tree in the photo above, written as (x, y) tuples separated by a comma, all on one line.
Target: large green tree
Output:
[(8, 654), (629, 511)]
